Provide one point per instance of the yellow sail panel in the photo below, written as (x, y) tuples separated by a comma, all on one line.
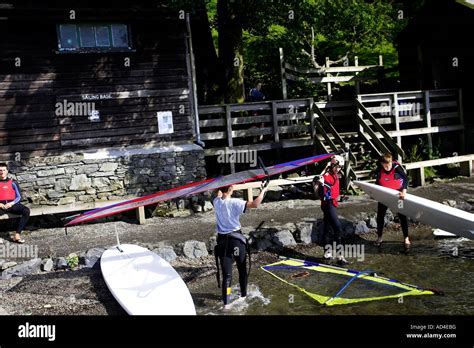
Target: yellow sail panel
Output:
[(330, 285)]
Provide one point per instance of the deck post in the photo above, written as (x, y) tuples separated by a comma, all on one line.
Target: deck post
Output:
[(329, 83), (419, 176), (276, 135), (311, 119), (347, 167), (397, 123), (230, 142), (428, 117), (283, 74), (466, 168), (461, 120), (357, 83), (141, 215)]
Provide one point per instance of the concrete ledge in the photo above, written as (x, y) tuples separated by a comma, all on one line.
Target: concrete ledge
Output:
[(116, 152), (47, 210)]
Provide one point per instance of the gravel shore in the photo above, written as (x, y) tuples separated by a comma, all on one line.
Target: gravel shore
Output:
[(84, 292)]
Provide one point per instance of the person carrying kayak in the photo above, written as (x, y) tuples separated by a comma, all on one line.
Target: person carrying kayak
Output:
[(231, 243), (391, 175)]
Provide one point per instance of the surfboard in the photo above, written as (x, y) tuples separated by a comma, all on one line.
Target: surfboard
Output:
[(143, 283), (443, 234), (429, 212)]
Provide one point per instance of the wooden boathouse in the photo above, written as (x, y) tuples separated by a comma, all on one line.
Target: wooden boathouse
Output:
[(96, 100), (100, 103)]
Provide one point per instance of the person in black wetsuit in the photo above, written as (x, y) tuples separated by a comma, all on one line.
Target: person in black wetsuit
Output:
[(328, 188), (391, 175), (231, 243), (10, 201)]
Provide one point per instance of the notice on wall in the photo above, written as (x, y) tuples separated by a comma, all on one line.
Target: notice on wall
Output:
[(165, 122)]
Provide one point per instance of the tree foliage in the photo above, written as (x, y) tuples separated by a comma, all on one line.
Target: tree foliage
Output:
[(250, 32)]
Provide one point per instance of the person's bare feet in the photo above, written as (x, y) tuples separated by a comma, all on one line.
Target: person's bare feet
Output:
[(407, 243), (17, 239)]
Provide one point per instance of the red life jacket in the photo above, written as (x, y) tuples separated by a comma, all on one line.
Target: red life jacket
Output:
[(331, 180), (7, 192), (389, 180)]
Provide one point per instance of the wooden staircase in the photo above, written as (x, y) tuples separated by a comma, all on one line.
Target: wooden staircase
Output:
[(365, 145)]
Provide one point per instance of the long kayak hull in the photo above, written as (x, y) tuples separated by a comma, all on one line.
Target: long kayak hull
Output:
[(456, 221)]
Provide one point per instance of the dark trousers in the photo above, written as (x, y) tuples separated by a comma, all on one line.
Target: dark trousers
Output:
[(381, 210), (331, 219), (230, 249), (18, 209)]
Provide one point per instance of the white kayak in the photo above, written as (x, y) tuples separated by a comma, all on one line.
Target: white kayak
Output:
[(456, 221), (145, 284), (444, 234)]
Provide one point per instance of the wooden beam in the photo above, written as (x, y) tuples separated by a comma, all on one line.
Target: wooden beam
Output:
[(373, 138), (295, 103), (326, 137), (329, 79), (443, 93), (312, 117), (390, 120), (379, 128), (283, 74), (466, 168), (461, 120), (428, 117), (439, 161), (444, 115), (230, 142), (276, 135), (419, 176), (284, 143), (335, 104), (419, 131), (335, 69), (357, 84), (273, 183), (140, 211)]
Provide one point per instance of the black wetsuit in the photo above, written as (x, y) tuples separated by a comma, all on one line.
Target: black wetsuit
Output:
[(329, 195), (232, 247)]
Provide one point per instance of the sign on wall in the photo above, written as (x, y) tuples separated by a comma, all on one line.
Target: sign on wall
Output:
[(165, 122)]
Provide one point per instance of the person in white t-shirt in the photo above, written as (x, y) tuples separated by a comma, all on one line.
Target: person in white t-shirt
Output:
[(231, 243)]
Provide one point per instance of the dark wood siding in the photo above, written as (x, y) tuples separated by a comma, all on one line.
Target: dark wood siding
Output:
[(157, 79)]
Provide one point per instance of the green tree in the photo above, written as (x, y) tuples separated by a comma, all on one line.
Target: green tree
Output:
[(247, 35)]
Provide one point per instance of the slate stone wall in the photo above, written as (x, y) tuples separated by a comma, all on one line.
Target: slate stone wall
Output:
[(71, 178)]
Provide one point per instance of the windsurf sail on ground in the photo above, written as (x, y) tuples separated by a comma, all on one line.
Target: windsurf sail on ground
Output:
[(330, 285), (195, 188)]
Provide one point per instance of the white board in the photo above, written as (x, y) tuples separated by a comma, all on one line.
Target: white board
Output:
[(441, 233), (432, 213), (145, 284)]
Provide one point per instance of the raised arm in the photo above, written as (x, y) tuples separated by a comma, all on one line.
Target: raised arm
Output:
[(256, 202)]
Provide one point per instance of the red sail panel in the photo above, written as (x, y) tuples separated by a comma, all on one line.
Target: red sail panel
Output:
[(195, 188)]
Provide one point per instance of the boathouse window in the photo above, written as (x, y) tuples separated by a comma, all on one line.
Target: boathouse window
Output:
[(93, 37)]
